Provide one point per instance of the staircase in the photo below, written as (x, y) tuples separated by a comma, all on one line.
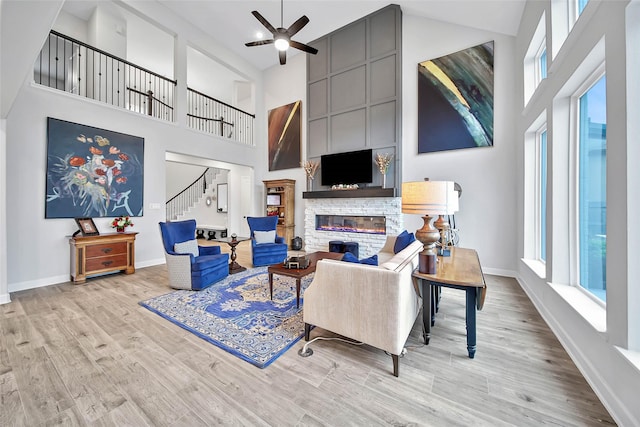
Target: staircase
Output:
[(190, 196)]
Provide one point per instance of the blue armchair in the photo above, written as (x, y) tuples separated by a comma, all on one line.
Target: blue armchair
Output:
[(191, 266), (267, 253)]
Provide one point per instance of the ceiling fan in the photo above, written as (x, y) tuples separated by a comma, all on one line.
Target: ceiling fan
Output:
[(282, 36)]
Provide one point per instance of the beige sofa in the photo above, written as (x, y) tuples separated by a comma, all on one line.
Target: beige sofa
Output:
[(376, 305)]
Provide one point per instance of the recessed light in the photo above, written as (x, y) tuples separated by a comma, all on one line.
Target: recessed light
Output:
[(259, 35)]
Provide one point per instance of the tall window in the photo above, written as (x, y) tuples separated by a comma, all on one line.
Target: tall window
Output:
[(592, 195), (542, 195), (541, 62), (581, 5)]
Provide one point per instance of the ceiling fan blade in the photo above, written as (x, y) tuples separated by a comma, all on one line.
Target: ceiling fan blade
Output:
[(283, 56), (298, 25), (259, 43), (264, 22), (303, 47)]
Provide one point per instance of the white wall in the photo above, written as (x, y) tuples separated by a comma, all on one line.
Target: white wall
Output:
[(180, 176), (607, 353), (4, 285), (486, 218), (47, 262), (285, 84)]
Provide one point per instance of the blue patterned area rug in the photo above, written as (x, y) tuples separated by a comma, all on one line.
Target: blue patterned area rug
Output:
[(237, 314)]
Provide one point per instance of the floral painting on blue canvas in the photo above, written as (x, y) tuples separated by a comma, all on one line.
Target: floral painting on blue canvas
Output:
[(92, 172)]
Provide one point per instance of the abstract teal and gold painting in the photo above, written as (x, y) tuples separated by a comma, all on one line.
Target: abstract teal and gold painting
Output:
[(455, 100)]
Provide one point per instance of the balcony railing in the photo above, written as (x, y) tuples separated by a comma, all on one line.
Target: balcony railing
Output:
[(207, 114), (75, 67)]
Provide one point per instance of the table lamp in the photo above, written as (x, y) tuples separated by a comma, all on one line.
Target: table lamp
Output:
[(442, 223), (427, 198)]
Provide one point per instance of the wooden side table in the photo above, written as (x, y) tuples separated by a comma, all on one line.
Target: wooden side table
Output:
[(461, 271), (105, 253), (233, 241)]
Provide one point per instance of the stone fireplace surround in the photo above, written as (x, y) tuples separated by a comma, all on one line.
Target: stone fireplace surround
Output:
[(370, 244)]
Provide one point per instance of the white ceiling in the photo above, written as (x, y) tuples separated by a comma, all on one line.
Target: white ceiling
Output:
[(231, 23)]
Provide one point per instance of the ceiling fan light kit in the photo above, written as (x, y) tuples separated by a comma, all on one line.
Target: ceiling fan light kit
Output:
[(282, 36)]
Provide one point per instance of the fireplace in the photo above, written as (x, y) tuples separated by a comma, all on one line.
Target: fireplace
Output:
[(352, 224), (385, 211)]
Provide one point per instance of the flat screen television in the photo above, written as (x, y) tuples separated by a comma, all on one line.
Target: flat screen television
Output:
[(273, 199), (353, 167)]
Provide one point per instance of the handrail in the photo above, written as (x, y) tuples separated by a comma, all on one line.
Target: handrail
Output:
[(220, 102), (75, 67), (151, 95), (190, 185), (72, 40)]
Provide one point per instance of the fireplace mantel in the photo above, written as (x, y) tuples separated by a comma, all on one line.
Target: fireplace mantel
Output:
[(360, 192)]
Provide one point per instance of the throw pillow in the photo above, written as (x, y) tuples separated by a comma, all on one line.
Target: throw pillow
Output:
[(265, 236), (188, 247), (403, 240), (372, 260), (349, 257)]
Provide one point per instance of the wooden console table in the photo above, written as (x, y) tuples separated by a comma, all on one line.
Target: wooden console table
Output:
[(101, 254), (461, 271)]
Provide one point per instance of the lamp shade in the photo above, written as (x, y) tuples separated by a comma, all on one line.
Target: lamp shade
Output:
[(429, 198)]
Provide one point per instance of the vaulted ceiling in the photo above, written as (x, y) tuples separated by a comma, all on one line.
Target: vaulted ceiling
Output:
[(232, 24)]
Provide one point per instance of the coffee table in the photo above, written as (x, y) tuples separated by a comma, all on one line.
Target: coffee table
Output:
[(299, 273)]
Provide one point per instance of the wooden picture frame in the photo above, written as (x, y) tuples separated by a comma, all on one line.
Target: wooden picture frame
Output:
[(87, 227)]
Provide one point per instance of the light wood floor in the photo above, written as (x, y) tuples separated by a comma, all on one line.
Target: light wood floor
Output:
[(90, 355)]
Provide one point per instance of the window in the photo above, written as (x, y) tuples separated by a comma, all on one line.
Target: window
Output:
[(535, 60), (591, 191), (535, 195), (541, 62), (541, 196), (581, 5)]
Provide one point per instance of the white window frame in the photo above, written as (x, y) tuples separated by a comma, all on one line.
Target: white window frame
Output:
[(574, 173), (538, 192), (537, 67)]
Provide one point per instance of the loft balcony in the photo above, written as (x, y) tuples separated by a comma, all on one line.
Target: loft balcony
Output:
[(75, 67)]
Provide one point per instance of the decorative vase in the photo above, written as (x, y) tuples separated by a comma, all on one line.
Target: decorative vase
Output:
[(384, 180), (120, 229), (309, 183)]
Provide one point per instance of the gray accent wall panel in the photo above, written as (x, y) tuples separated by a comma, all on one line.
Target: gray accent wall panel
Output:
[(383, 33), (354, 91), (318, 141), (383, 79), (348, 131), (348, 46), (382, 125), (348, 89), (318, 64), (318, 101)]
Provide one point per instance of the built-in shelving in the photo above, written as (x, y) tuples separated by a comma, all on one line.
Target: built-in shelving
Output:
[(284, 209)]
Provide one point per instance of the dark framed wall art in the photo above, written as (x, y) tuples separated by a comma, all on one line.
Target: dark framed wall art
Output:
[(92, 172), (455, 100), (285, 136)]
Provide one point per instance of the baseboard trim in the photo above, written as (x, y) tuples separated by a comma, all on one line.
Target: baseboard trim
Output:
[(500, 272), (615, 405), (5, 299), (32, 284)]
